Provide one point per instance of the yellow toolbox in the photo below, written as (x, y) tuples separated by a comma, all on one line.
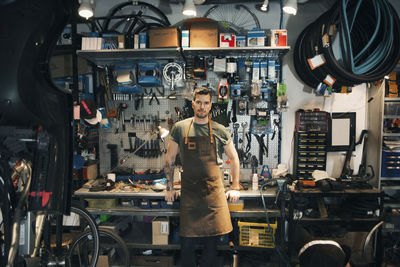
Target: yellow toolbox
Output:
[(252, 234)]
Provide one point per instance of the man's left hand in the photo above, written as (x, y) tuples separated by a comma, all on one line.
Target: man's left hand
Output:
[(233, 195)]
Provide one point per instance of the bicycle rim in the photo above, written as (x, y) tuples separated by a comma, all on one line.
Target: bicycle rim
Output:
[(111, 245), (77, 222), (121, 16), (5, 223), (236, 17)]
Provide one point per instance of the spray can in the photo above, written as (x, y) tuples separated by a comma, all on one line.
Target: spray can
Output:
[(254, 180)]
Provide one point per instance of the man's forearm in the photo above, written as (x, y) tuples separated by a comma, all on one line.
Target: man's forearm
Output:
[(169, 174), (235, 174)]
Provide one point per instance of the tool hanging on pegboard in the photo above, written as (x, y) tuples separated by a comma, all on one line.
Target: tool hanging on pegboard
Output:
[(172, 73)]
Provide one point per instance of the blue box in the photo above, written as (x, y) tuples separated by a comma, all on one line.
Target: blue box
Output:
[(155, 204), (255, 38), (143, 40), (145, 204), (240, 40)]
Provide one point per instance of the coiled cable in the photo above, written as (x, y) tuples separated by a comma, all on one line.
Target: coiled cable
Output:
[(354, 42)]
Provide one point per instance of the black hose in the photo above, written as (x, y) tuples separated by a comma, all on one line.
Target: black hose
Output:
[(368, 33)]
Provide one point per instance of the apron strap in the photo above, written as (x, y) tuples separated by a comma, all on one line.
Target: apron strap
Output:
[(211, 134), (209, 126)]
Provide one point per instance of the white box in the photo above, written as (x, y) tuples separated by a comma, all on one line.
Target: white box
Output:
[(185, 38), (256, 38), (136, 41)]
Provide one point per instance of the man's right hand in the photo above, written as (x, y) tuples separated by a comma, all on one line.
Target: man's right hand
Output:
[(170, 195)]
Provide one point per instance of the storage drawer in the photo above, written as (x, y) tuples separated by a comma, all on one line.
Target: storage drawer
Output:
[(390, 164)]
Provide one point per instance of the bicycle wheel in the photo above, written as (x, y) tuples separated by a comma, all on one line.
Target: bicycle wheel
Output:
[(7, 207), (235, 17), (73, 225), (124, 17), (5, 223), (111, 245)]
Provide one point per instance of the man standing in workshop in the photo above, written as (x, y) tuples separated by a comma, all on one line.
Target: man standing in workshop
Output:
[(204, 213)]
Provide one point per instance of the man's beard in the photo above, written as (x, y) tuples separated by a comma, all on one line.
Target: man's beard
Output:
[(200, 115)]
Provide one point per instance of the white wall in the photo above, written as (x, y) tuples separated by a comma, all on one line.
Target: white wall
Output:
[(300, 96)]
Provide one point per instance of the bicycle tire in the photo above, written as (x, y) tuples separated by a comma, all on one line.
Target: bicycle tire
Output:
[(6, 223), (103, 233), (91, 224), (236, 21), (162, 18)]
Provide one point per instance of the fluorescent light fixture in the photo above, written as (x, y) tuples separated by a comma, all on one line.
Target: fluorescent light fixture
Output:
[(290, 7), (264, 6), (189, 9), (86, 8)]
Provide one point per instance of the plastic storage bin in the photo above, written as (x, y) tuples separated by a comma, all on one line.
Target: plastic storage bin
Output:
[(256, 234)]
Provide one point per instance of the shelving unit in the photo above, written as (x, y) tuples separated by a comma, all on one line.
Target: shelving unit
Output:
[(101, 57), (386, 162)]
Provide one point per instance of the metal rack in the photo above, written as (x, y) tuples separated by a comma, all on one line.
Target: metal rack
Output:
[(102, 57)]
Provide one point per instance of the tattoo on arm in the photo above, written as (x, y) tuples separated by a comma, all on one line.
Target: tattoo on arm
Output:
[(169, 173)]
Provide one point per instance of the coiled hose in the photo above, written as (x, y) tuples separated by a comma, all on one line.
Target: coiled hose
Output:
[(353, 42)]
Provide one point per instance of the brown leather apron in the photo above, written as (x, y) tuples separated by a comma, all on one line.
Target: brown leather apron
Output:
[(203, 206)]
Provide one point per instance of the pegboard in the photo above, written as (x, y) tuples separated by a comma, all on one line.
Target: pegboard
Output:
[(166, 111)]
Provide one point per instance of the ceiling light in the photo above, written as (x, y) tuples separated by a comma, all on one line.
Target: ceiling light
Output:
[(189, 9), (86, 8), (290, 7), (264, 6)]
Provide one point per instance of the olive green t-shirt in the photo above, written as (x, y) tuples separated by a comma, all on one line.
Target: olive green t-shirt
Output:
[(220, 133)]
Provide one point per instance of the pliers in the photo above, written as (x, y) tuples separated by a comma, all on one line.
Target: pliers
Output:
[(154, 96)]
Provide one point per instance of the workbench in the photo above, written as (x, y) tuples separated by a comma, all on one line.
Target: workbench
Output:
[(142, 236)]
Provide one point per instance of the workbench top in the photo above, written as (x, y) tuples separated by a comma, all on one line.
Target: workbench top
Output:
[(149, 193)]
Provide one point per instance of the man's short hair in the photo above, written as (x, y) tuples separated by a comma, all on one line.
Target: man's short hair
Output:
[(201, 91)]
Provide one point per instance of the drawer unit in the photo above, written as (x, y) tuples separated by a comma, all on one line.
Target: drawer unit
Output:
[(390, 164), (309, 121), (310, 153)]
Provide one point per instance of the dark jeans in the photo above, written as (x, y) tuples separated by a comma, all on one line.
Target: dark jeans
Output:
[(188, 251)]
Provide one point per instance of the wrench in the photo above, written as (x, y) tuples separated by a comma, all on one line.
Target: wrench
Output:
[(244, 126), (235, 135)]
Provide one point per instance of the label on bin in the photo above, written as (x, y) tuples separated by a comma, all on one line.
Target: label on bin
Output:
[(164, 228), (253, 238)]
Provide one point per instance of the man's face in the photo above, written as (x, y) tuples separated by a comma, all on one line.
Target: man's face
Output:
[(201, 106)]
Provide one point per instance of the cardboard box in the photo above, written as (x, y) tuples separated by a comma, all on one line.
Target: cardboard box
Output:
[(90, 172), (160, 230), (61, 66), (163, 37), (162, 261), (278, 38), (204, 34), (121, 41)]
